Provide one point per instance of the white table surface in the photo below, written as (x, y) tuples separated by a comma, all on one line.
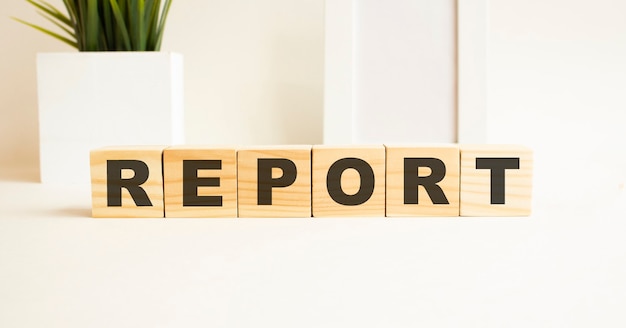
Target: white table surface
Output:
[(565, 266)]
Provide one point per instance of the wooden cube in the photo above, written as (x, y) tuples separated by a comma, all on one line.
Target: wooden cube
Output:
[(200, 182), (348, 181), (422, 180), (127, 182), (496, 180), (274, 181)]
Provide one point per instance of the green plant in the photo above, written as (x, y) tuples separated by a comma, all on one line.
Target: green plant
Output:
[(107, 25)]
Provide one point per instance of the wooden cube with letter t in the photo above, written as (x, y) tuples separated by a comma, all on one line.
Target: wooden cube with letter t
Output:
[(274, 181), (496, 180), (127, 182), (200, 182), (422, 180), (348, 181)]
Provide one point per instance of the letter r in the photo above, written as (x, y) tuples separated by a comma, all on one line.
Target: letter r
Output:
[(115, 182)]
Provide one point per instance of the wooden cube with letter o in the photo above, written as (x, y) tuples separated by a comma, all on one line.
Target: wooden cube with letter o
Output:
[(348, 181)]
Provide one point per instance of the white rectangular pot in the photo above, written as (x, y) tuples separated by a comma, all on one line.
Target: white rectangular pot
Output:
[(93, 99)]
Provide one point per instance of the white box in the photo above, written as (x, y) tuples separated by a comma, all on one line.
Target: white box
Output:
[(93, 99)]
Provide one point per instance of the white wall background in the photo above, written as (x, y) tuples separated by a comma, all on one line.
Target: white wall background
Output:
[(556, 82), (253, 72), (405, 71)]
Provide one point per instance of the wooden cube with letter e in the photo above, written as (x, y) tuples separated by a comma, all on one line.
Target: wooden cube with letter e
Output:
[(348, 181), (127, 182), (200, 182), (274, 181), (496, 180), (422, 180)]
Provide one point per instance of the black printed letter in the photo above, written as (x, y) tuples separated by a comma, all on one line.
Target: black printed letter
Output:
[(333, 181), (115, 183), (266, 182), (497, 167), (191, 182), (412, 180)]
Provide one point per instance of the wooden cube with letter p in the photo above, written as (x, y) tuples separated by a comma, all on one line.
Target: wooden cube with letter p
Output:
[(348, 181), (274, 181), (127, 182), (496, 180), (200, 182), (422, 180)]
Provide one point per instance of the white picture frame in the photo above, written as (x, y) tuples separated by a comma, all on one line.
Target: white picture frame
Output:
[(340, 51)]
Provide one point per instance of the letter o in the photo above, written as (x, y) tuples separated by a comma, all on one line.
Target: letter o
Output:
[(333, 181)]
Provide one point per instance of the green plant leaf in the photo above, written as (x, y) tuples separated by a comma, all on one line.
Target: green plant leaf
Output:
[(161, 27), (52, 34), (81, 6), (71, 10), (52, 11), (65, 29), (70, 5), (141, 34), (107, 25), (92, 26), (119, 18), (152, 19)]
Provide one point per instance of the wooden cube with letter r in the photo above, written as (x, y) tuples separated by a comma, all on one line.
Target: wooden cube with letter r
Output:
[(422, 180), (200, 182), (274, 181), (127, 182)]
